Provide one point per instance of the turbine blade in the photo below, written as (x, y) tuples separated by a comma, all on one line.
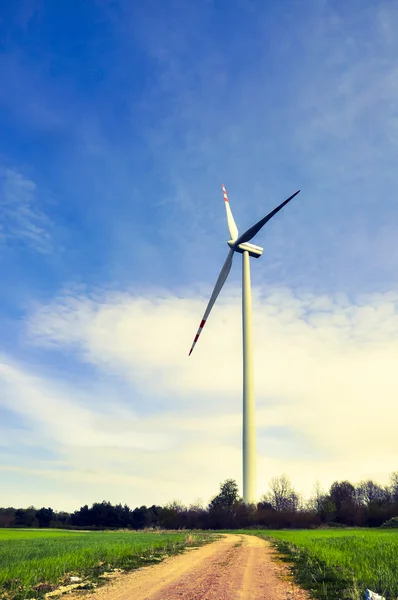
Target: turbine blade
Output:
[(233, 230), (217, 289), (251, 232)]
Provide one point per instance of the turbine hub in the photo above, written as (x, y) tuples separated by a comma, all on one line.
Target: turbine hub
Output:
[(254, 251)]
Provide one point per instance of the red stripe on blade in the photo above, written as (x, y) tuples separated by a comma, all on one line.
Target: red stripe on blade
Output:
[(202, 324)]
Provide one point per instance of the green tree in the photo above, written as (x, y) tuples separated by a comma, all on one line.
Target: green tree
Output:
[(227, 497), (326, 509), (44, 516), (342, 493)]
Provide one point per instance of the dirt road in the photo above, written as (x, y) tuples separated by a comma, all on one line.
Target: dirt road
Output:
[(237, 567)]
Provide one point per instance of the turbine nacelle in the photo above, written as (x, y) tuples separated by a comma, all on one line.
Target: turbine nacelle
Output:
[(254, 251)]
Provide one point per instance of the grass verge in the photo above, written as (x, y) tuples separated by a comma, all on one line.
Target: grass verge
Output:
[(340, 565), (324, 582), (34, 563)]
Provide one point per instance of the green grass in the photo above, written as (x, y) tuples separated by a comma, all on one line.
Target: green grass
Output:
[(35, 561), (341, 564)]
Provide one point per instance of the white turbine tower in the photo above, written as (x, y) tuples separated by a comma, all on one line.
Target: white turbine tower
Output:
[(240, 244)]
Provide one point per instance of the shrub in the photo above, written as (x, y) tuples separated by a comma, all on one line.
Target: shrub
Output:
[(391, 523)]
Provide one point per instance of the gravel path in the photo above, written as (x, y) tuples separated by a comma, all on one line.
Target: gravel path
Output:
[(236, 567)]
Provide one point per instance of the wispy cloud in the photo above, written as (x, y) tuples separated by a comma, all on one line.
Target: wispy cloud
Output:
[(322, 366), (22, 221)]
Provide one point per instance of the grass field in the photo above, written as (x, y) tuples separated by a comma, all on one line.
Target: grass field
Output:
[(334, 564), (341, 564), (33, 561)]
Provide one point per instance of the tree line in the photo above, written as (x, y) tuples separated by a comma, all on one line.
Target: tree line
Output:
[(366, 504)]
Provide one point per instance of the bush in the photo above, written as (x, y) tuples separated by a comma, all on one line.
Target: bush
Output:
[(391, 523)]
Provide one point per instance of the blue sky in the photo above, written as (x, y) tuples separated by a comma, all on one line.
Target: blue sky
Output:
[(118, 124)]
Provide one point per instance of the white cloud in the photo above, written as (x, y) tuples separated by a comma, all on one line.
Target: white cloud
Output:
[(325, 378), (22, 219), (62, 414)]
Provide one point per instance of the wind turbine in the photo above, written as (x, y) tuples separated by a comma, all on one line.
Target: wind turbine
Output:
[(240, 244)]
